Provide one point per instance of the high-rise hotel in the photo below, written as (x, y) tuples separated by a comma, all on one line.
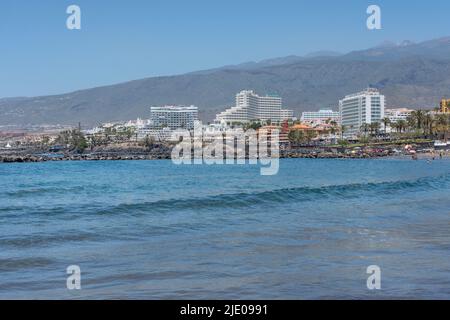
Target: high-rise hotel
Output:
[(173, 117), (249, 106), (360, 108)]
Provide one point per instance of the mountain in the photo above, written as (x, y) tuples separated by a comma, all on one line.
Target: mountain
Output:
[(324, 53), (409, 74)]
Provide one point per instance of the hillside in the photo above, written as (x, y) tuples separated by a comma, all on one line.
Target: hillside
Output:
[(410, 75)]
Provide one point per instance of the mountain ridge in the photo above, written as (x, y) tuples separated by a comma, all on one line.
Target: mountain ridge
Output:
[(410, 74)]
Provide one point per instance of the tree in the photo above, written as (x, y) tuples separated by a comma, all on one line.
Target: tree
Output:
[(386, 121), (442, 125), (411, 123), (365, 128), (64, 138), (333, 130), (343, 143), (428, 124), (419, 117), (401, 126), (254, 125), (81, 144), (310, 135), (374, 128), (149, 141), (296, 136), (343, 130), (75, 139), (364, 140), (129, 133)]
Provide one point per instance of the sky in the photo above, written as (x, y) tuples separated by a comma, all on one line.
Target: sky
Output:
[(122, 40)]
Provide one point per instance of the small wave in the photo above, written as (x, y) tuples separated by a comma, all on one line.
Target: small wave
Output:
[(299, 194), (40, 191), (45, 240), (15, 264)]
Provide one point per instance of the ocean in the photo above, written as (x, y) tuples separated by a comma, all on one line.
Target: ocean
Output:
[(154, 230)]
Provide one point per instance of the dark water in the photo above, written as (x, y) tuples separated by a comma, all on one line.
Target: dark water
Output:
[(153, 230)]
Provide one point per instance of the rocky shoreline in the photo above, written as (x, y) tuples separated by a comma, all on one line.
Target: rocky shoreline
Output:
[(30, 158), (166, 156), (163, 152)]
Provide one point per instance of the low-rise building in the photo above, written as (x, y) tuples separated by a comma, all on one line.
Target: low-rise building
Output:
[(320, 117), (395, 115), (283, 135)]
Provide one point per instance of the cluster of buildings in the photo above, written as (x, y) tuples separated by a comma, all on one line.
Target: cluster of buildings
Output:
[(355, 110), (267, 112)]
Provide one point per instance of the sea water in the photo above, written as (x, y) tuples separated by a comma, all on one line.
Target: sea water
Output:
[(155, 230)]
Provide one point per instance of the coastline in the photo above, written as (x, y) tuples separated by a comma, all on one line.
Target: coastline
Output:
[(167, 156)]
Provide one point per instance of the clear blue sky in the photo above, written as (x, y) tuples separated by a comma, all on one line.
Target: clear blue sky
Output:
[(125, 40)]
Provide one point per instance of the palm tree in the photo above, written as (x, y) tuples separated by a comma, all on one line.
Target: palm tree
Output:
[(428, 124), (365, 128), (333, 130), (386, 121), (296, 136), (442, 125), (419, 117), (343, 130), (411, 123), (374, 128), (401, 126), (310, 135)]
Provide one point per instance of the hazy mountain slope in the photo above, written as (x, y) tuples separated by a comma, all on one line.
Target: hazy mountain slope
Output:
[(411, 75)]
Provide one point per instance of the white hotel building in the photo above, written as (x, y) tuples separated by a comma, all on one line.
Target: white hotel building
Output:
[(320, 117), (249, 106), (360, 108), (164, 121), (173, 117)]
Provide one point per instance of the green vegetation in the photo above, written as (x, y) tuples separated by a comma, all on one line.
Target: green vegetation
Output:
[(345, 143), (423, 124), (254, 125), (74, 139), (296, 136), (148, 142)]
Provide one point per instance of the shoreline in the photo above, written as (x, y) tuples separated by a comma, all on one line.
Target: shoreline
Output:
[(149, 157)]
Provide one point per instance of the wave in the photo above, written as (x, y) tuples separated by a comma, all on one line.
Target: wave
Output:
[(60, 190), (23, 242), (278, 196), (14, 264)]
